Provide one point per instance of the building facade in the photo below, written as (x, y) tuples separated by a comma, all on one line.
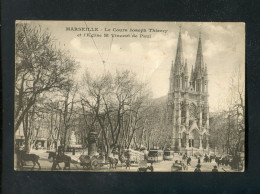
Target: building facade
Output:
[(187, 106)]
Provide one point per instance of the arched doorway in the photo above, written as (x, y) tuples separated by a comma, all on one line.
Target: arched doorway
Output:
[(183, 139), (195, 138)]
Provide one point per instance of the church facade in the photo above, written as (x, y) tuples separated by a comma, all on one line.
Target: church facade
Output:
[(187, 105)]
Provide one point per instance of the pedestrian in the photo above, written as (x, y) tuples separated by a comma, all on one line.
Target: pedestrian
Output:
[(210, 159), (199, 160), (197, 169), (215, 169), (151, 167), (128, 163), (188, 161)]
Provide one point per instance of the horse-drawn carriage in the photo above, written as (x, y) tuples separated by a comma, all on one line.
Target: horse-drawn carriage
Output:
[(59, 157)]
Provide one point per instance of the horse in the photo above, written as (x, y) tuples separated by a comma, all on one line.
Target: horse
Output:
[(218, 161), (206, 159), (122, 159), (59, 159), (211, 158), (222, 161), (23, 157), (112, 162)]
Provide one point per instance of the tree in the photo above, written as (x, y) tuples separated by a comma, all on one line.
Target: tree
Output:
[(116, 101), (40, 68), (68, 108), (228, 127)]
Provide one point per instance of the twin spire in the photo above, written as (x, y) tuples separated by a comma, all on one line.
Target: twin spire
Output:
[(180, 65)]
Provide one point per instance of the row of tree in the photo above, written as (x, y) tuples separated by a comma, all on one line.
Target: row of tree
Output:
[(227, 127), (116, 106)]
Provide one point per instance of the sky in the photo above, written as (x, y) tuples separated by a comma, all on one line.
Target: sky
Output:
[(150, 56)]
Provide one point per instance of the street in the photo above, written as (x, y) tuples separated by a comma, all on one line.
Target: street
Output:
[(163, 166)]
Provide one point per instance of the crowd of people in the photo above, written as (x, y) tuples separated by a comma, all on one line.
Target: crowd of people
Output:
[(231, 161)]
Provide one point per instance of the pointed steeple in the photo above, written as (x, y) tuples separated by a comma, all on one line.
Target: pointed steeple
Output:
[(199, 59), (179, 54), (206, 72), (198, 74), (186, 68), (172, 71)]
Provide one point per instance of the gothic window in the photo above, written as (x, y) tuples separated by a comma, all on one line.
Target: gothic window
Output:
[(193, 111), (204, 115), (183, 113), (203, 87), (205, 83), (183, 82), (183, 140), (198, 86), (170, 112)]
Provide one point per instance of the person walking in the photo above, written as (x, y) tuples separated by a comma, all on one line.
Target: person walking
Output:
[(197, 169), (188, 161), (215, 169), (128, 163)]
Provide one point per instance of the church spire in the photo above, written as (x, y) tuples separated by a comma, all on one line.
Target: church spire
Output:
[(179, 54), (172, 69), (206, 72), (186, 68), (199, 59)]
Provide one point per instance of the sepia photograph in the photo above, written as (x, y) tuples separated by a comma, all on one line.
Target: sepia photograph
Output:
[(126, 96)]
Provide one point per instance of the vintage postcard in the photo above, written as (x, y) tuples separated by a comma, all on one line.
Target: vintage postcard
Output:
[(103, 96)]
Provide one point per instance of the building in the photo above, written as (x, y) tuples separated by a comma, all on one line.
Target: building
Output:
[(187, 105), (40, 140)]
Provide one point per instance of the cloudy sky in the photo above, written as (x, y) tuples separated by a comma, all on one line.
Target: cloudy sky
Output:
[(223, 47)]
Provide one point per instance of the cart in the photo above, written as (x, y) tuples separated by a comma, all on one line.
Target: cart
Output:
[(92, 162), (176, 167), (144, 168)]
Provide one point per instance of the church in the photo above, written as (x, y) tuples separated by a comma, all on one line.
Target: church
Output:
[(187, 104)]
